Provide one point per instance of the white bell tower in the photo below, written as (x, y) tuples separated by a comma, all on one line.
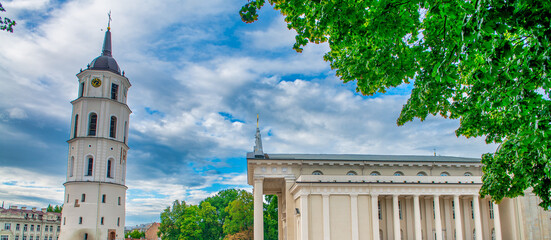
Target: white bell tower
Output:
[(95, 191)]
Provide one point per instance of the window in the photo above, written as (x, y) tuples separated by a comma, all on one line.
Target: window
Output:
[(125, 130), (351, 173), (374, 173), (444, 174), (472, 210), (32, 227), (45, 237), (400, 209), (103, 198), (398, 173), (119, 201), (46, 228), (7, 226), (64, 220), (317, 172), (90, 166), (113, 127), (491, 209), (71, 167), (25, 228), (92, 124), (421, 174), (38, 228), (468, 174), (31, 238), (58, 228), (118, 221), (81, 90), (101, 220), (114, 91), (76, 127), (17, 227), (86, 236), (83, 198), (51, 228), (474, 234), (24, 237), (17, 237), (109, 167), (380, 211), (80, 220), (493, 234), (67, 198)]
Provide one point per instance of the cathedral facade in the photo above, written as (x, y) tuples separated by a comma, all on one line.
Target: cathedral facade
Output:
[(372, 197), (95, 191)]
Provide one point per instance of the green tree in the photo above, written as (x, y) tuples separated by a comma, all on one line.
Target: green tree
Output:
[(219, 201), (484, 62), (240, 213), (169, 228), (55, 208), (135, 234), (6, 24), (271, 217)]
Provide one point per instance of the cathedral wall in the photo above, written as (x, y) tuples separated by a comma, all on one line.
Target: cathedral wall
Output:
[(364, 217), (339, 210), (316, 217)]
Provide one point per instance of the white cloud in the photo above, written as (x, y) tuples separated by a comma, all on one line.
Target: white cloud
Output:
[(20, 187)]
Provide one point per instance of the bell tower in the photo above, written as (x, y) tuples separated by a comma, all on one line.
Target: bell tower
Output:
[(95, 191)]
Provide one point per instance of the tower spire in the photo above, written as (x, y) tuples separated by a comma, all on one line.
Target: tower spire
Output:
[(107, 40), (258, 152)]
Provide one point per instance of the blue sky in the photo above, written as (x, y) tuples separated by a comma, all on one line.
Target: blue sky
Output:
[(199, 78)]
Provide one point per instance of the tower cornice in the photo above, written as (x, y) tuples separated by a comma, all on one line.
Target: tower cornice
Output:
[(101, 99), (98, 182), (90, 71), (94, 137)]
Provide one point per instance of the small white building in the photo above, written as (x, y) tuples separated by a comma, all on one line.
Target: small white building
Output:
[(372, 197), (95, 191), (22, 224)]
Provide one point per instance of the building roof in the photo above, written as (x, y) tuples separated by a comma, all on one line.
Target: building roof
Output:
[(364, 157), (105, 61)]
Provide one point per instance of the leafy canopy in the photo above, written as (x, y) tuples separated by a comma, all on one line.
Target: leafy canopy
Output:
[(226, 215), (484, 62), (6, 24)]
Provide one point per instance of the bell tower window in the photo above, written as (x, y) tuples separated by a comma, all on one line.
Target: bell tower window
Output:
[(81, 90), (76, 127), (90, 167), (114, 91), (72, 166), (113, 127), (93, 124), (109, 168)]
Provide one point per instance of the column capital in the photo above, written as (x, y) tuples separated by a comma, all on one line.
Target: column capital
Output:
[(258, 179), (353, 195), (325, 195)]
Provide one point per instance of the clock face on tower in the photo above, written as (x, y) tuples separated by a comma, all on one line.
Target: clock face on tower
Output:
[(96, 82)]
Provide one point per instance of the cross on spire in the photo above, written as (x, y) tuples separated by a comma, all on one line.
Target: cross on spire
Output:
[(109, 21)]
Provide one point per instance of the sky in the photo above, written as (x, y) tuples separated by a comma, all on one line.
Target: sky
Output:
[(199, 78)]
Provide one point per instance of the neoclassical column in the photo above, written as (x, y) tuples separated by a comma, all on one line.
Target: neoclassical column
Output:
[(290, 219), (304, 225), (258, 209), (437, 219), (280, 216), (354, 216), (477, 222), (497, 221), (458, 225), (326, 218), (396, 217), (375, 216), (417, 217)]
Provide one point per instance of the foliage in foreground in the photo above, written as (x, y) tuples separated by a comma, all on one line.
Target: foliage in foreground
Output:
[(227, 215), (6, 24), (484, 62), (134, 234), (55, 208)]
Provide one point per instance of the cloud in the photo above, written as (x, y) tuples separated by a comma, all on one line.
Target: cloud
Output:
[(20, 187)]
